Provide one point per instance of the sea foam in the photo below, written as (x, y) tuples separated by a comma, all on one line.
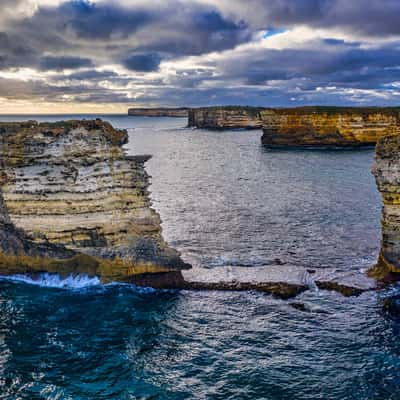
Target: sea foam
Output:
[(56, 281)]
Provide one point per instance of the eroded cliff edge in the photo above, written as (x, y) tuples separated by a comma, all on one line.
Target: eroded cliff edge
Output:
[(328, 126), (71, 201), (225, 117), (387, 174), (180, 112)]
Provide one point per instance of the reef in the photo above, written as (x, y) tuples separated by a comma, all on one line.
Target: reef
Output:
[(387, 174), (328, 126), (225, 117), (181, 112), (72, 201)]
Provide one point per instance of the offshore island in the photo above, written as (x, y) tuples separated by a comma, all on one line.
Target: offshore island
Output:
[(318, 126)]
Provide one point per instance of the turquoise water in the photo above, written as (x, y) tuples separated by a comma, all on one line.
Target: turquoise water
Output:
[(224, 200)]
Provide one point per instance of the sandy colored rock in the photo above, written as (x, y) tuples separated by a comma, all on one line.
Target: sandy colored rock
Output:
[(328, 126), (159, 112), (387, 174), (225, 117), (69, 186)]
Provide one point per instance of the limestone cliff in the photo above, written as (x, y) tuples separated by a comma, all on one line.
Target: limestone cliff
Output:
[(72, 201), (229, 117), (387, 174), (159, 112), (328, 126)]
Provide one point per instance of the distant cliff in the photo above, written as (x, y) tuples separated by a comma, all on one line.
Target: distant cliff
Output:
[(328, 126), (387, 174), (71, 201), (159, 112), (225, 117)]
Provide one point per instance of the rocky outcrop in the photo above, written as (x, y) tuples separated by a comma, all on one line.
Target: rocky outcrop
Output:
[(387, 174), (328, 126), (159, 112), (73, 202), (229, 117)]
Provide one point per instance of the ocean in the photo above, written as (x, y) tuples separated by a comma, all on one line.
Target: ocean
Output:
[(225, 200)]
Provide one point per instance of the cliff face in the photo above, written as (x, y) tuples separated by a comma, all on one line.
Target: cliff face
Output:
[(328, 126), (70, 193), (387, 174), (225, 118), (158, 112)]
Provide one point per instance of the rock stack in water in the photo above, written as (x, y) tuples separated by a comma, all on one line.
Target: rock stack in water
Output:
[(181, 112), (387, 174), (225, 117), (328, 126), (71, 201)]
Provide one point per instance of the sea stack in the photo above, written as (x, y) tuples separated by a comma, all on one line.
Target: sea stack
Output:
[(387, 174), (328, 126), (72, 201), (181, 112), (225, 117)]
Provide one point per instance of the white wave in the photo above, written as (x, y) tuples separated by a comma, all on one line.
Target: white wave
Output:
[(309, 281), (56, 281)]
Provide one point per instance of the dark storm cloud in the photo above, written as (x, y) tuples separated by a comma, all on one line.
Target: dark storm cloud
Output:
[(341, 66), (95, 21), (372, 17), (180, 23), (91, 74), (143, 62), (60, 63), (136, 37), (14, 52), (107, 32)]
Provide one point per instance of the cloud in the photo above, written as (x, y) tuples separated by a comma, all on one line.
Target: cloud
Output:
[(60, 63), (143, 62), (196, 52), (372, 17), (91, 21)]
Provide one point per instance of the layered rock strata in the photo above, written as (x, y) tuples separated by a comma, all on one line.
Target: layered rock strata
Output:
[(159, 112), (72, 201), (230, 117), (387, 174), (328, 126)]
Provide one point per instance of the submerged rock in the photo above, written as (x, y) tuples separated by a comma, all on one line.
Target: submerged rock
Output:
[(328, 126), (282, 281), (387, 174), (71, 201), (225, 117)]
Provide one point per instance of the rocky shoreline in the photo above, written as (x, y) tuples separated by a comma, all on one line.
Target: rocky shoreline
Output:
[(72, 202)]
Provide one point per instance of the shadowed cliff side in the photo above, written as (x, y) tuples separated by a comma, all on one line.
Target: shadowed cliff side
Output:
[(73, 202), (181, 112), (225, 117), (328, 126), (387, 174)]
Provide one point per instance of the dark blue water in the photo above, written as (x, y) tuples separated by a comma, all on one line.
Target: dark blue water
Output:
[(224, 200)]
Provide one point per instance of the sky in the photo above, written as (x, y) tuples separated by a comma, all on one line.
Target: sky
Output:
[(104, 56)]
